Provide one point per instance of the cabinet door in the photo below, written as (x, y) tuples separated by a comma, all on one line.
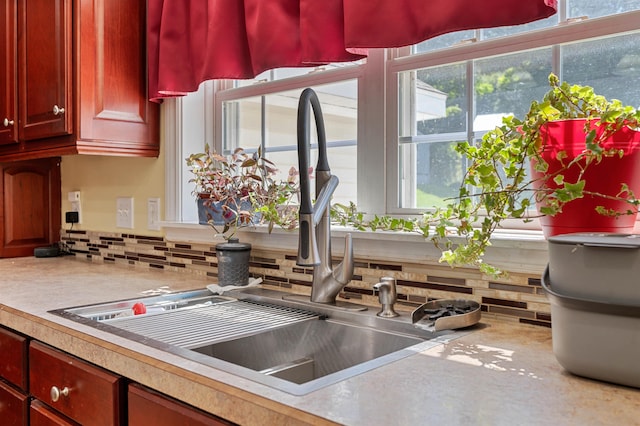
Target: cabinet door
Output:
[(147, 407), (14, 406), (13, 358), (83, 392), (8, 81), (29, 206), (114, 114), (41, 415), (45, 76)]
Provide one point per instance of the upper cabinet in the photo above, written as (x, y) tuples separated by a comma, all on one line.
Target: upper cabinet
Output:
[(8, 76), (74, 74), (44, 68)]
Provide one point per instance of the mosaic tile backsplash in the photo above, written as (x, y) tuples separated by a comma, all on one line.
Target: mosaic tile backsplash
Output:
[(519, 297)]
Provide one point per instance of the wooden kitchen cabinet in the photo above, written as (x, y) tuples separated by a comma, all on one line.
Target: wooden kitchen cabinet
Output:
[(78, 390), (29, 205), (147, 407), (14, 401), (41, 415), (8, 69), (13, 358), (74, 74), (43, 386), (44, 58), (14, 406)]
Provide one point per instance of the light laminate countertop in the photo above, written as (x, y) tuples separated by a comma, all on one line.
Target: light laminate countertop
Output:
[(503, 373)]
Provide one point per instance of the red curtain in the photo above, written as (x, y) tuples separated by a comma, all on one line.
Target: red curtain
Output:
[(190, 41)]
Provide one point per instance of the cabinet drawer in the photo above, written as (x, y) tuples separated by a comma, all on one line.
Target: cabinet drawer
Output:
[(14, 406), (41, 415), (13, 358), (147, 407), (85, 393)]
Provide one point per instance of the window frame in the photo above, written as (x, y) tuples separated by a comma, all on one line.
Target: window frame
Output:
[(378, 141), (565, 32)]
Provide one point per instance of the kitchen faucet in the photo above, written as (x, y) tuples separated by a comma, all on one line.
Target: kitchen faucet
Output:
[(314, 243)]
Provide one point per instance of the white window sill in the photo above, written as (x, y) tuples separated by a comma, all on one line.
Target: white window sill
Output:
[(522, 251)]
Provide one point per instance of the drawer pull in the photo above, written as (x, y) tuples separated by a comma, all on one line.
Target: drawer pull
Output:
[(7, 122), (56, 393), (57, 110)]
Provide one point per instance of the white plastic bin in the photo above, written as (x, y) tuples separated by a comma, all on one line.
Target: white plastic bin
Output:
[(604, 267), (595, 338)]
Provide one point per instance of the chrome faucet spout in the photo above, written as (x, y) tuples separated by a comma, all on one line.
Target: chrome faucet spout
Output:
[(314, 244)]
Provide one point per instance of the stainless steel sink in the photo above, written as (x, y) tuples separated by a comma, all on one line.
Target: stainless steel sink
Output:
[(308, 350), (254, 333)]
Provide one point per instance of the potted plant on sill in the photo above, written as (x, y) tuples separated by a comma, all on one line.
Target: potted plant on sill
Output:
[(581, 150), (567, 156), (240, 190), (237, 191)]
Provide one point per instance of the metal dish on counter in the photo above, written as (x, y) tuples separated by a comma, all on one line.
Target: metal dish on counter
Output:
[(446, 314)]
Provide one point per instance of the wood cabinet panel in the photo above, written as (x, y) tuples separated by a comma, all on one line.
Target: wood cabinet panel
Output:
[(14, 406), (147, 407), (113, 108), (81, 87), (44, 56), (94, 396), (8, 75), (41, 415), (29, 206), (13, 358)]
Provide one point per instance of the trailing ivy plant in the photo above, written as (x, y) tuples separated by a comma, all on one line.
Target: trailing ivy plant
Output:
[(496, 185)]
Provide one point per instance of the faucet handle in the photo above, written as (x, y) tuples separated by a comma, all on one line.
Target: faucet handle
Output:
[(344, 271)]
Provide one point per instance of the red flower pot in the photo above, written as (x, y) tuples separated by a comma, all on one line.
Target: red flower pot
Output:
[(604, 178)]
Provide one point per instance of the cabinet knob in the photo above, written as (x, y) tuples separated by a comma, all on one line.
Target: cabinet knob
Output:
[(56, 393), (7, 122), (57, 110)]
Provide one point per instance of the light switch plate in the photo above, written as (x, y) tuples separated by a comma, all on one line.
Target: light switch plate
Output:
[(153, 214), (124, 212), (73, 196), (74, 200)]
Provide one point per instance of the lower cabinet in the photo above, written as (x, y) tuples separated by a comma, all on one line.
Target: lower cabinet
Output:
[(14, 406), (14, 399), (147, 407), (13, 358), (41, 415), (43, 386), (83, 392)]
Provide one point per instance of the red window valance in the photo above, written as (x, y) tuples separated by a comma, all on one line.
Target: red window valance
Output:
[(190, 41)]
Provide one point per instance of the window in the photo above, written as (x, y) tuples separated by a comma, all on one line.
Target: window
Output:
[(393, 119), (595, 9), (270, 121), (459, 91), (432, 118)]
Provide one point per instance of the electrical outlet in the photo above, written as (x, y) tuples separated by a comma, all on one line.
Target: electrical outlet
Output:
[(71, 217), (153, 214), (124, 212), (74, 199)]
